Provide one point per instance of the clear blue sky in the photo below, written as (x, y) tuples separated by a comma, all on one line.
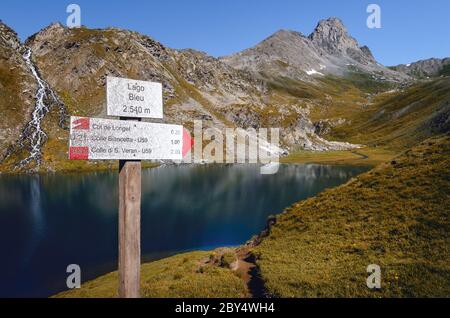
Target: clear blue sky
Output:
[(411, 29)]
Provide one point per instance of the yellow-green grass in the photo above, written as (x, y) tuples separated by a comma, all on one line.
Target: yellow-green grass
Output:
[(364, 156), (396, 121), (396, 216), (374, 115), (184, 275), (10, 98)]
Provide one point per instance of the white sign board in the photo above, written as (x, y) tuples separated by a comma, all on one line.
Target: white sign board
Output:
[(98, 139), (132, 98)]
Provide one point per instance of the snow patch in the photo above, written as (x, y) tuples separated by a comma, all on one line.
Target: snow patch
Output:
[(312, 72)]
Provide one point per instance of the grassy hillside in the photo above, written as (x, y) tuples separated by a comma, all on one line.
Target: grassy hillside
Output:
[(445, 70), (185, 275), (366, 156), (395, 216), (399, 120)]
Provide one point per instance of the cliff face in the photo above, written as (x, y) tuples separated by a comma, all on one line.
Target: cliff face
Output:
[(17, 87)]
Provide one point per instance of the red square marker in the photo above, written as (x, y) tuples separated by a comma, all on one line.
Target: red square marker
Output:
[(81, 123), (78, 153)]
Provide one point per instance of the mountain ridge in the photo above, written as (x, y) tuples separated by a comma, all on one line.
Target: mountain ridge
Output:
[(432, 67), (76, 62), (329, 49)]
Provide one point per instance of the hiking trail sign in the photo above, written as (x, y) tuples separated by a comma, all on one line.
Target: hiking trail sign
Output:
[(129, 140), (105, 139)]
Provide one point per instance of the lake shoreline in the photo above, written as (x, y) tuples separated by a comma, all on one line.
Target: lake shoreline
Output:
[(365, 156), (62, 219)]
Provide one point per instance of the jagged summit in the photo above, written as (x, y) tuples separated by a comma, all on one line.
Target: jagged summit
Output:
[(331, 29), (330, 23), (50, 30), (329, 49), (332, 36)]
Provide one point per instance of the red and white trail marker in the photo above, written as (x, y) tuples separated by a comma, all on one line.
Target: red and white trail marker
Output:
[(188, 142), (108, 139)]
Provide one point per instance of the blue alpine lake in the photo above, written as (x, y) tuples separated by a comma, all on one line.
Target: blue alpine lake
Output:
[(50, 221)]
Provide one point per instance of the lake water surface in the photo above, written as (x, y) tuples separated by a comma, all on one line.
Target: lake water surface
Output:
[(50, 221)]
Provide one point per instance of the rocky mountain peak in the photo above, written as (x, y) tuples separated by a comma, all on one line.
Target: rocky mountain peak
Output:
[(283, 39), (332, 36), (331, 24), (329, 49), (53, 30), (54, 27), (283, 33)]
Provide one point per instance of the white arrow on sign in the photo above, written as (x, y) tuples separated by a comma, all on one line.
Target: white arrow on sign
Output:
[(133, 98), (104, 139)]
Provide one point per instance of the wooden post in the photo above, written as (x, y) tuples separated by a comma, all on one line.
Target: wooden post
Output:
[(129, 228)]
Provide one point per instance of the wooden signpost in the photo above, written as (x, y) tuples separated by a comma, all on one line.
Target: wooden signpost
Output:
[(129, 141)]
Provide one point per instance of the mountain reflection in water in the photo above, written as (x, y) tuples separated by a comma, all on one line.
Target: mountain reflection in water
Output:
[(50, 221)]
